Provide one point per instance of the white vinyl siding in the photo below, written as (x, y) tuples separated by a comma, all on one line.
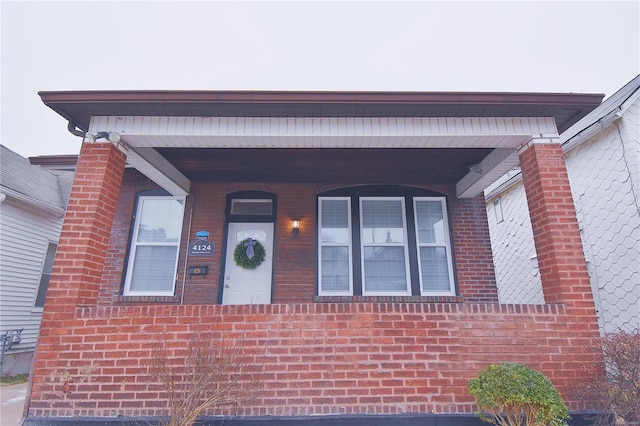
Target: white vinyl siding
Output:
[(434, 252), (335, 269), (26, 233), (153, 259), (383, 235)]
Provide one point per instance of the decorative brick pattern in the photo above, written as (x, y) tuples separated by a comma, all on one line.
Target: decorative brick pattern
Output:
[(356, 358)]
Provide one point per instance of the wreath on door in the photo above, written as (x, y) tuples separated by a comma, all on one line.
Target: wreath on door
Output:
[(249, 254)]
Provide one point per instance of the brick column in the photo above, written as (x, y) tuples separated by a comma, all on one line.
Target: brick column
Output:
[(563, 270), (79, 261)]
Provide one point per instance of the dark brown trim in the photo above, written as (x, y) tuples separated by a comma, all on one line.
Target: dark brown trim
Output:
[(78, 106)]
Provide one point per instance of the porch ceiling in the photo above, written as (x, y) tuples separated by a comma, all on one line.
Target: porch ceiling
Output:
[(359, 166)]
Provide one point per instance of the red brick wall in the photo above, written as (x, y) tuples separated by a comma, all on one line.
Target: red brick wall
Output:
[(295, 256), (472, 245), (313, 358), (77, 270), (561, 262)]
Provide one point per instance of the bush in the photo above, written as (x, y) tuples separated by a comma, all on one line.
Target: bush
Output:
[(619, 388), (510, 394), (213, 372)]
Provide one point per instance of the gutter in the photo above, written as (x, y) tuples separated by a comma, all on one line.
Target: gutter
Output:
[(6, 192), (572, 140)]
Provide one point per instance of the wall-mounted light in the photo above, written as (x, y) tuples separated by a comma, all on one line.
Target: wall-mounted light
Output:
[(110, 136), (295, 226)]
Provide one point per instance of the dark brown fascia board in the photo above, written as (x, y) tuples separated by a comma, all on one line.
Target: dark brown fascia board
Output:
[(257, 97), (568, 107), (54, 160)]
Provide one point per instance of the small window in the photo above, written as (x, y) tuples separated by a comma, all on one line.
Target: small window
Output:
[(153, 258), (46, 275), (497, 209), (252, 207)]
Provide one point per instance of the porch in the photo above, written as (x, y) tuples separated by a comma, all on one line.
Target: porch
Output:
[(348, 342)]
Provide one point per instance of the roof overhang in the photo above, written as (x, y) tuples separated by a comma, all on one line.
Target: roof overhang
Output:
[(152, 122)]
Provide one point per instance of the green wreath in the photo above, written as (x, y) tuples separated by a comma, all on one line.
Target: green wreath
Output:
[(241, 254)]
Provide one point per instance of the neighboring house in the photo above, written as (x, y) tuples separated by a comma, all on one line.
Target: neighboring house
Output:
[(602, 153), (373, 298), (32, 208)]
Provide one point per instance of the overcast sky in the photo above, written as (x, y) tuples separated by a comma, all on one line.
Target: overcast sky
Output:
[(500, 46)]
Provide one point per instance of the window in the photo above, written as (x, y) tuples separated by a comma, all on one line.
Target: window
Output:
[(384, 245), (432, 235), (153, 257), (46, 275), (335, 246), (497, 209)]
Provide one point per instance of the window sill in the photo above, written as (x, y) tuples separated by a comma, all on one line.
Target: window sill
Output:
[(145, 299), (388, 299)]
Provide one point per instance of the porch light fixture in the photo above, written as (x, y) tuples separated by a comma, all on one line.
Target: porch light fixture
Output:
[(295, 226), (110, 136), (475, 168)]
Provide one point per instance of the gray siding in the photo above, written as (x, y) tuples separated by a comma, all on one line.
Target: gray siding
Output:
[(25, 234)]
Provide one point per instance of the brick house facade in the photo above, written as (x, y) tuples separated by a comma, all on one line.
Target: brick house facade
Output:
[(382, 304)]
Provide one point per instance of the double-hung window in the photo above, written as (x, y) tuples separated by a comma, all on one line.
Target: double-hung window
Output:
[(335, 267), (153, 256), (384, 245), (383, 235), (434, 247)]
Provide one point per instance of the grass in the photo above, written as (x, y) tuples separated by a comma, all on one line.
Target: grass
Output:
[(14, 380)]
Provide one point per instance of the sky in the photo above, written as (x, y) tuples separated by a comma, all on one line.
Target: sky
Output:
[(475, 46)]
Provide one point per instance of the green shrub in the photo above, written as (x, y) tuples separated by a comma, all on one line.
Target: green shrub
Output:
[(510, 394)]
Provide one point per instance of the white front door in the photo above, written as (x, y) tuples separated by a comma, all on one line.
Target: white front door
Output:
[(248, 286)]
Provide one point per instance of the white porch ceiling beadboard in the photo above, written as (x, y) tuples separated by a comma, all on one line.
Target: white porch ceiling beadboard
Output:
[(256, 132)]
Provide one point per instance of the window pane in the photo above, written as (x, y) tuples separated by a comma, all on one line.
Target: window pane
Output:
[(252, 207), (382, 221), (160, 221), (154, 269), (430, 222), (435, 270), (42, 290), (335, 269), (384, 269), (335, 221), (46, 275)]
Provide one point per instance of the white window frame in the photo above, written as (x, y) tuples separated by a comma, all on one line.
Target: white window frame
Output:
[(405, 246), (135, 244), (446, 245), (321, 245)]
